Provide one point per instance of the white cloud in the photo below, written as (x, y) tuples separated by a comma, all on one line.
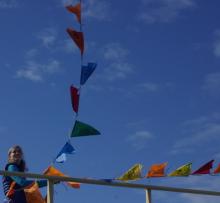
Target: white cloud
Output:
[(165, 11), (48, 37), (31, 72), (8, 3), (114, 51), (97, 9), (118, 70), (200, 133), (139, 139), (118, 66), (35, 71)]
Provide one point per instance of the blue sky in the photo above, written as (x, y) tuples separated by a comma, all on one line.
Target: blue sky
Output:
[(154, 95)]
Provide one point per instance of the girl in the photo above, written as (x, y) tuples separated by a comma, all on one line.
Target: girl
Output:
[(16, 163)]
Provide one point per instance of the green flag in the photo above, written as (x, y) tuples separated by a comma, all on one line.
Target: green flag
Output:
[(184, 170), (83, 129)]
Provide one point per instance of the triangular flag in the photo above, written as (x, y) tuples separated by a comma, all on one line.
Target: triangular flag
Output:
[(33, 195), (77, 37), (86, 72), (83, 129), (134, 173), (67, 149), (205, 169), (184, 170), (76, 10), (74, 92), (217, 170), (157, 170), (52, 171)]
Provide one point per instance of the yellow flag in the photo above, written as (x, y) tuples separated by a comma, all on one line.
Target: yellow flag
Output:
[(184, 170), (133, 173)]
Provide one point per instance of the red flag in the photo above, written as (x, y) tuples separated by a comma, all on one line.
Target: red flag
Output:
[(74, 92), (76, 10), (77, 37), (205, 169)]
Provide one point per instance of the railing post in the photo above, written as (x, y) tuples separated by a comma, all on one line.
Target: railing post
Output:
[(50, 191), (148, 196)]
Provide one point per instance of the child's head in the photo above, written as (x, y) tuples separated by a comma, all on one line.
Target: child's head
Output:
[(15, 155)]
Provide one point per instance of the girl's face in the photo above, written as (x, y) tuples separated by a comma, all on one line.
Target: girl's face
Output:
[(15, 155)]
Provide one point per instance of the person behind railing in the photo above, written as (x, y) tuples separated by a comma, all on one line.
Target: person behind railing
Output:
[(16, 163)]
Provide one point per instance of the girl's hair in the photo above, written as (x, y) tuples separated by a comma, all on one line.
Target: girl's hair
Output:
[(22, 164)]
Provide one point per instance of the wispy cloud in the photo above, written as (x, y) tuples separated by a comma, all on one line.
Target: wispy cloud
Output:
[(48, 36), (35, 71), (114, 51), (116, 57), (139, 139), (201, 132), (8, 4), (97, 9), (153, 11)]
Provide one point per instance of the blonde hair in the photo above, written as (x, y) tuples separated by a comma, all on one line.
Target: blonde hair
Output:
[(22, 164)]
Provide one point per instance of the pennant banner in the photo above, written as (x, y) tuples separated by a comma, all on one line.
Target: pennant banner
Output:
[(67, 149), (33, 195), (184, 170), (77, 37), (134, 173), (205, 169), (86, 72), (83, 129), (75, 10), (52, 171), (74, 92), (157, 170)]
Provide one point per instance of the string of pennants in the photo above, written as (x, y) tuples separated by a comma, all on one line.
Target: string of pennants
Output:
[(80, 128), (159, 170)]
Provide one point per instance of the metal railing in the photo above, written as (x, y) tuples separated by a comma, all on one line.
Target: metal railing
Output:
[(147, 188)]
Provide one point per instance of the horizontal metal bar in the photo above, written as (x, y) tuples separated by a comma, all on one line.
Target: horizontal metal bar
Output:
[(111, 183)]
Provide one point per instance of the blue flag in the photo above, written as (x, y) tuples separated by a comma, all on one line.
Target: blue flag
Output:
[(67, 149), (86, 72)]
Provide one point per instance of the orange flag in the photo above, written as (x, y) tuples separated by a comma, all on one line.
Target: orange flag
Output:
[(77, 37), (33, 195), (76, 10), (51, 171), (157, 170), (217, 170)]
